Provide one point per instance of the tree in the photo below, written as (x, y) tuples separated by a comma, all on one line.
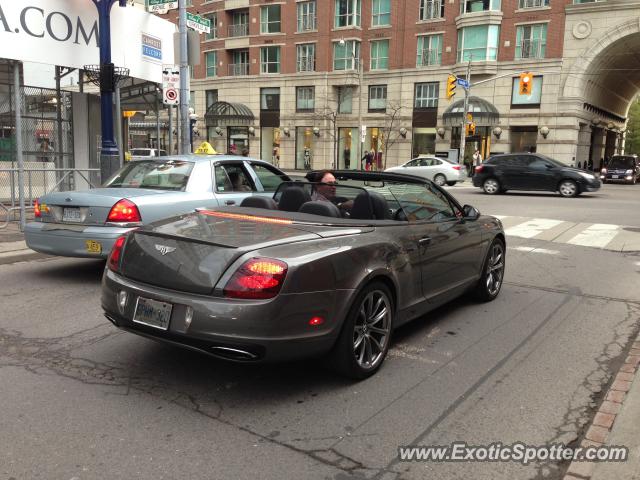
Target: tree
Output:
[(328, 113), (391, 131), (632, 138)]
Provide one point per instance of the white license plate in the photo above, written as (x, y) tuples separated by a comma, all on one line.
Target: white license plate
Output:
[(614, 176), (152, 313), (71, 215)]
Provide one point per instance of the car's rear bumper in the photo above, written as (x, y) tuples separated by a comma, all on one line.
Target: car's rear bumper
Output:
[(265, 330), (71, 240)]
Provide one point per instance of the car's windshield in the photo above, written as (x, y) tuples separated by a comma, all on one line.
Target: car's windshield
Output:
[(159, 175), (621, 162)]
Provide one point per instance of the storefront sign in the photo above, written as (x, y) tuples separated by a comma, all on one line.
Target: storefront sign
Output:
[(65, 33)]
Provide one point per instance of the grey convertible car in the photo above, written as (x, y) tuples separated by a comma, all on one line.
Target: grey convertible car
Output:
[(318, 269), (87, 223)]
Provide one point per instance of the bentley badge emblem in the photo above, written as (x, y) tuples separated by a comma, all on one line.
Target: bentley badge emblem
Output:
[(163, 249)]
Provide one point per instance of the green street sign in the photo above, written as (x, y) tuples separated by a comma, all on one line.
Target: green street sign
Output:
[(198, 23), (161, 5)]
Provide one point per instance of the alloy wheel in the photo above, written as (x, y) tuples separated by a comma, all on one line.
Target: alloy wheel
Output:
[(568, 189), (440, 180), (371, 329), (491, 186), (495, 269)]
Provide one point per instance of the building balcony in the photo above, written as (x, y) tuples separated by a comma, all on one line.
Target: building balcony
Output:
[(241, 30), (238, 69), (235, 4), (429, 58), (306, 64), (530, 49)]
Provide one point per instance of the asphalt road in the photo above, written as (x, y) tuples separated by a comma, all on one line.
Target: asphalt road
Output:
[(82, 400)]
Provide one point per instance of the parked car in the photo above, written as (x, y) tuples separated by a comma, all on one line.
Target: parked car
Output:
[(439, 170), (621, 168), (532, 171), (87, 223), (275, 281), (146, 153)]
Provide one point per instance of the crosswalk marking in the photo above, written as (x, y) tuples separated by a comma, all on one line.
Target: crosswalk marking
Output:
[(532, 227), (597, 235)]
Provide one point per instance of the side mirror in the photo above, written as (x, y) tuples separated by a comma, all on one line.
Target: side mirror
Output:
[(470, 213), (549, 166)]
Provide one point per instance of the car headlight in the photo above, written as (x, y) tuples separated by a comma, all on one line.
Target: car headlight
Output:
[(628, 172), (587, 176)]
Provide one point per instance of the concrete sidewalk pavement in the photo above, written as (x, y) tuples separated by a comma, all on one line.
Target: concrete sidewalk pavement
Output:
[(13, 247)]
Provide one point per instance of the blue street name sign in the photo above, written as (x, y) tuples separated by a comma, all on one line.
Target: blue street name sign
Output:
[(463, 83)]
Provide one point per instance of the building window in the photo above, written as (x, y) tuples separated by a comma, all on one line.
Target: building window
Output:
[(426, 95), (531, 41), (345, 100), (307, 16), (305, 99), (478, 43), (211, 60), (429, 50), (270, 99), (211, 97), (377, 98), (304, 148), (239, 63), (381, 13), (347, 56), (239, 24), (270, 19), (348, 13), (533, 3), (306, 57), (270, 60), (532, 100), (523, 139), (213, 32), (430, 9), (380, 55), (470, 6)]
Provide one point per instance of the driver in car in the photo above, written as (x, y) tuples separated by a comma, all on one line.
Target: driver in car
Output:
[(325, 190)]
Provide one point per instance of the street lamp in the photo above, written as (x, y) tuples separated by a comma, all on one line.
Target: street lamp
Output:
[(192, 122), (360, 67)]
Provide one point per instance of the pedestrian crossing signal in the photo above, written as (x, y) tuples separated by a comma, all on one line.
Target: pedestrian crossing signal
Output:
[(526, 80), (451, 86)]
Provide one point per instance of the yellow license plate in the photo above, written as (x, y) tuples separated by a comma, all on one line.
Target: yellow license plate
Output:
[(93, 247)]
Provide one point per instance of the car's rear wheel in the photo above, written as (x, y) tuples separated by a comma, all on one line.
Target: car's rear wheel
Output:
[(366, 333), (491, 186), (440, 180), (568, 188), (490, 282), (451, 184)]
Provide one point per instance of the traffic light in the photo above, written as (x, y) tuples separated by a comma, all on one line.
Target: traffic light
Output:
[(451, 86), (470, 129), (526, 80)]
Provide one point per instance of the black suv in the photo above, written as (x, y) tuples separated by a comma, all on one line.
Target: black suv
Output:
[(532, 171), (621, 168)]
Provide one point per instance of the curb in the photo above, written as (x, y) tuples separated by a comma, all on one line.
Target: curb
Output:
[(606, 416)]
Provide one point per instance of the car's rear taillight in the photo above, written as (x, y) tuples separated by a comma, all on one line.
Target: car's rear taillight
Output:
[(258, 278), (479, 168), (456, 167), (124, 211), (116, 254), (36, 209)]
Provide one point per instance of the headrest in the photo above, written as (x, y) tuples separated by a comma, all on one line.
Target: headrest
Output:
[(293, 198), (259, 201), (318, 207), (370, 206)]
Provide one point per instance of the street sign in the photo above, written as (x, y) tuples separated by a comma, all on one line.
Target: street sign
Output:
[(160, 6), (171, 84), (363, 134), (463, 83), (198, 23)]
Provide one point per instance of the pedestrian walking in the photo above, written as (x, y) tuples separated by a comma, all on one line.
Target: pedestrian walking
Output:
[(477, 160)]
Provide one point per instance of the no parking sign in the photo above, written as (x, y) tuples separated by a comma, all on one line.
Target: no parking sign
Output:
[(170, 85)]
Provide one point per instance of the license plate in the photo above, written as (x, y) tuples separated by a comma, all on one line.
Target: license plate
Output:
[(93, 247), (152, 313), (614, 176), (71, 215)]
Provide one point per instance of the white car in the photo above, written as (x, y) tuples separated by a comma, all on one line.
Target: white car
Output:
[(146, 153), (439, 170)]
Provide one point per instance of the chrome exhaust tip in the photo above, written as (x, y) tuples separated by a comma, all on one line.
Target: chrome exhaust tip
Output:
[(233, 353)]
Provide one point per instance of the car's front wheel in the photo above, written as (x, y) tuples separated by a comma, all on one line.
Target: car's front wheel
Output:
[(568, 188), (491, 186), (440, 180), (490, 282), (364, 341)]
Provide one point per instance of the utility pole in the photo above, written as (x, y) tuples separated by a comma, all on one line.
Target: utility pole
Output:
[(184, 71), (463, 132)]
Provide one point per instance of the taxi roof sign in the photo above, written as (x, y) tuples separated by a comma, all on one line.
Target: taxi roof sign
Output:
[(205, 148)]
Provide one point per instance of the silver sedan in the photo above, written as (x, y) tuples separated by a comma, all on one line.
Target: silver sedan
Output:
[(87, 223), (439, 170)]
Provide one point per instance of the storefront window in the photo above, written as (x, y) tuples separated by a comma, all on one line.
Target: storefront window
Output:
[(237, 140), (304, 148), (424, 141), (348, 149), (270, 145), (374, 144), (523, 139)]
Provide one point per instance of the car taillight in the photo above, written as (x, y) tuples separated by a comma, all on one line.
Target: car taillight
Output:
[(124, 211), (116, 254), (456, 167), (36, 209), (258, 278), (479, 168)]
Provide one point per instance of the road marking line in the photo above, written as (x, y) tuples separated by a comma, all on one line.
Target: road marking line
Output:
[(532, 228), (535, 250), (597, 235)]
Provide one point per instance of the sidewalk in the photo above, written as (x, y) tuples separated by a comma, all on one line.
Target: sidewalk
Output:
[(12, 245)]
